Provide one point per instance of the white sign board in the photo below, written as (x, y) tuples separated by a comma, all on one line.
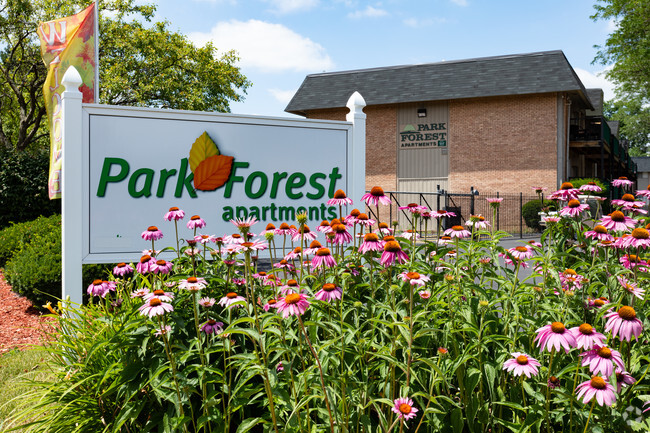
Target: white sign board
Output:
[(140, 162)]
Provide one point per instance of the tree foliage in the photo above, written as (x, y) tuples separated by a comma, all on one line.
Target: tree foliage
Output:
[(634, 118), (142, 63)]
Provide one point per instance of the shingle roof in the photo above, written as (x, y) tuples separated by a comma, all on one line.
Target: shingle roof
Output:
[(541, 72), (642, 163)]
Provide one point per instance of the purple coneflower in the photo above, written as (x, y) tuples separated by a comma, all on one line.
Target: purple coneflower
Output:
[(617, 221), (601, 360), (521, 363), (424, 294), (371, 242), (212, 327), (478, 222), (160, 294), (414, 278), (230, 299), (362, 219), (554, 336), (304, 233), (623, 182), (339, 199), (623, 379), (590, 187), (645, 193), (195, 222), (414, 208), (404, 409), (392, 252), (155, 307), (328, 293), (294, 304), (494, 202), (204, 239), (324, 258), (122, 269), (624, 323), (587, 337), (571, 280), (600, 233), (244, 224), (573, 208), (341, 234), (630, 261), (140, 293), (192, 284), (272, 303), (376, 196), (163, 331), (639, 238), (631, 287), (97, 288), (162, 267), (207, 302), (598, 387), (324, 227), (458, 232), (174, 214), (385, 229), (152, 233), (565, 193), (146, 264), (521, 252)]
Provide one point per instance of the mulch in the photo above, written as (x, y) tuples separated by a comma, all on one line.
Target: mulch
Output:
[(21, 325)]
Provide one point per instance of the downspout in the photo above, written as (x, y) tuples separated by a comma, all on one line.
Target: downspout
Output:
[(567, 109)]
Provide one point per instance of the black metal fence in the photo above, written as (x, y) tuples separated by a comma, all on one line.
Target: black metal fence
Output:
[(509, 217)]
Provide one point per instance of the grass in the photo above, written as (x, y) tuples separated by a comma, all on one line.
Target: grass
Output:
[(16, 368)]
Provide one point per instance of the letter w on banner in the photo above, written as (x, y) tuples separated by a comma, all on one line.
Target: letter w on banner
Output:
[(66, 42)]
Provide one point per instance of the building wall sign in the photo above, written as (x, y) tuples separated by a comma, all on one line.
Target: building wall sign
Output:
[(424, 135), (221, 167)]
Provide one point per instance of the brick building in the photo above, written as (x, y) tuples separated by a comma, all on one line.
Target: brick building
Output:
[(497, 123)]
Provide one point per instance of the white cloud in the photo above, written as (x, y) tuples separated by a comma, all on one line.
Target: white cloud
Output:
[(283, 96), (596, 81), (266, 46), (460, 2), (368, 12), (288, 6), (417, 23)]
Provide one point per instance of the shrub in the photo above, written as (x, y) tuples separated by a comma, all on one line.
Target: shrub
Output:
[(530, 212), (23, 187), (13, 238), (578, 182)]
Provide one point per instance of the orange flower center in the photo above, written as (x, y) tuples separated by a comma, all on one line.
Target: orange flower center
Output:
[(521, 249), (272, 301), (231, 295), (192, 280), (600, 229), (145, 259), (325, 223), (458, 228), (405, 408), (617, 216), (339, 194), (522, 360), (627, 313), (323, 252), (586, 329), (574, 203), (371, 237), (195, 217), (152, 229), (121, 265), (383, 225), (605, 352), (591, 183), (567, 185), (598, 382), (362, 217), (599, 302), (392, 247), (270, 226), (389, 238), (413, 275), (329, 287), (571, 272), (355, 212), (627, 197), (247, 244), (154, 302), (284, 226), (292, 298), (97, 282), (412, 205), (442, 350), (292, 283), (339, 228), (558, 327), (315, 244), (236, 236), (161, 262), (158, 292), (622, 178), (640, 233), (173, 209), (377, 191)]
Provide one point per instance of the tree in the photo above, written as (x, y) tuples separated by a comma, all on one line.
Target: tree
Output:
[(634, 126), (628, 47), (141, 63)]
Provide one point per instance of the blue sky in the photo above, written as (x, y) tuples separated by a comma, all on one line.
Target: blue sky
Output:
[(281, 41)]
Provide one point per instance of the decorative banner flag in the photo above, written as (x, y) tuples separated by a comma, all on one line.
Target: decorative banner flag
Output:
[(66, 42)]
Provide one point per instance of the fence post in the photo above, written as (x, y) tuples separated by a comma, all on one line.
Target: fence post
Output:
[(498, 214), (521, 223), (471, 201)]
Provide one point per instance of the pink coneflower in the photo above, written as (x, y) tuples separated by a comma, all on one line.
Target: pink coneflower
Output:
[(351, 219), (414, 208), (631, 287), (414, 278), (362, 219), (192, 284), (341, 234), (441, 213), (204, 239), (521, 252), (639, 238), (152, 233), (212, 327), (293, 254), (324, 227), (244, 224), (600, 233), (513, 261), (554, 336), (553, 382), (565, 193), (174, 214), (376, 196), (230, 299), (324, 258), (630, 261), (538, 189), (284, 264), (494, 202), (207, 302), (162, 267), (410, 234), (140, 293), (624, 323), (601, 360), (617, 221), (195, 222), (551, 219), (122, 269), (404, 409), (571, 280), (590, 187), (458, 232), (328, 293), (623, 379), (573, 208), (163, 331), (256, 245), (339, 199), (306, 233), (97, 288), (270, 228), (385, 229), (478, 222), (521, 363), (291, 286), (146, 264), (424, 294), (392, 252), (160, 294), (294, 304), (284, 229), (587, 337), (628, 202), (371, 242), (234, 238), (645, 193), (155, 307), (314, 246), (271, 303), (598, 387), (623, 182), (239, 281)]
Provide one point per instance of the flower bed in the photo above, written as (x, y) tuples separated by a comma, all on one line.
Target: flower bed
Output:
[(364, 330)]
